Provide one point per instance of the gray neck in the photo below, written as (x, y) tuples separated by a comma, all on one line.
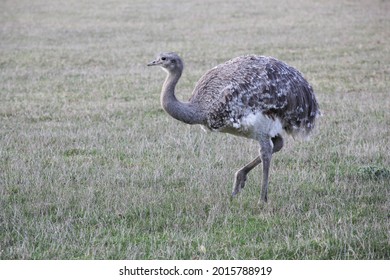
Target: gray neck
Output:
[(182, 111)]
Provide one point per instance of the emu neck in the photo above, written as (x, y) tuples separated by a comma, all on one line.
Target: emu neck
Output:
[(182, 111)]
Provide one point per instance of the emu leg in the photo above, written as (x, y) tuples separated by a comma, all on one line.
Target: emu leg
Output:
[(266, 156), (240, 176)]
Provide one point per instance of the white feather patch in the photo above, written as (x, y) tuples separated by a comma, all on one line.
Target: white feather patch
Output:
[(257, 123)]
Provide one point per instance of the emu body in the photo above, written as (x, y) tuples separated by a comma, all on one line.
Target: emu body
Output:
[(252, 96)]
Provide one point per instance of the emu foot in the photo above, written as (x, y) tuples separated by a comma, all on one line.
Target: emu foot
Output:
[(239, 182), (263, 198)]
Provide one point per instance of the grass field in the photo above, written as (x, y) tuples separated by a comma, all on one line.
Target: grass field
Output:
[(91, 167)]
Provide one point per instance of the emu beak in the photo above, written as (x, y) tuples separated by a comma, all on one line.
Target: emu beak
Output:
[(154, 63)]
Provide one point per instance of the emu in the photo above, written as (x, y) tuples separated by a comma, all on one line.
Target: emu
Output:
[(256, 97)]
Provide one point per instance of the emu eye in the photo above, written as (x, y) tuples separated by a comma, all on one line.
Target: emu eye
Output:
[(163, 58)]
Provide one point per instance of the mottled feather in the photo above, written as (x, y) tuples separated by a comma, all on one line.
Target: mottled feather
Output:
[(250, 84)]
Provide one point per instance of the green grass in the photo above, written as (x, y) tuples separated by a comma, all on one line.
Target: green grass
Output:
[(92, 168)]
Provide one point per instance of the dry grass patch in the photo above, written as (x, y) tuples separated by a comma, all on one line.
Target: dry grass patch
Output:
[(92, 168)]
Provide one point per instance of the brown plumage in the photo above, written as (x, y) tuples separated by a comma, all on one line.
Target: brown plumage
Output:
[(251, 96)]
